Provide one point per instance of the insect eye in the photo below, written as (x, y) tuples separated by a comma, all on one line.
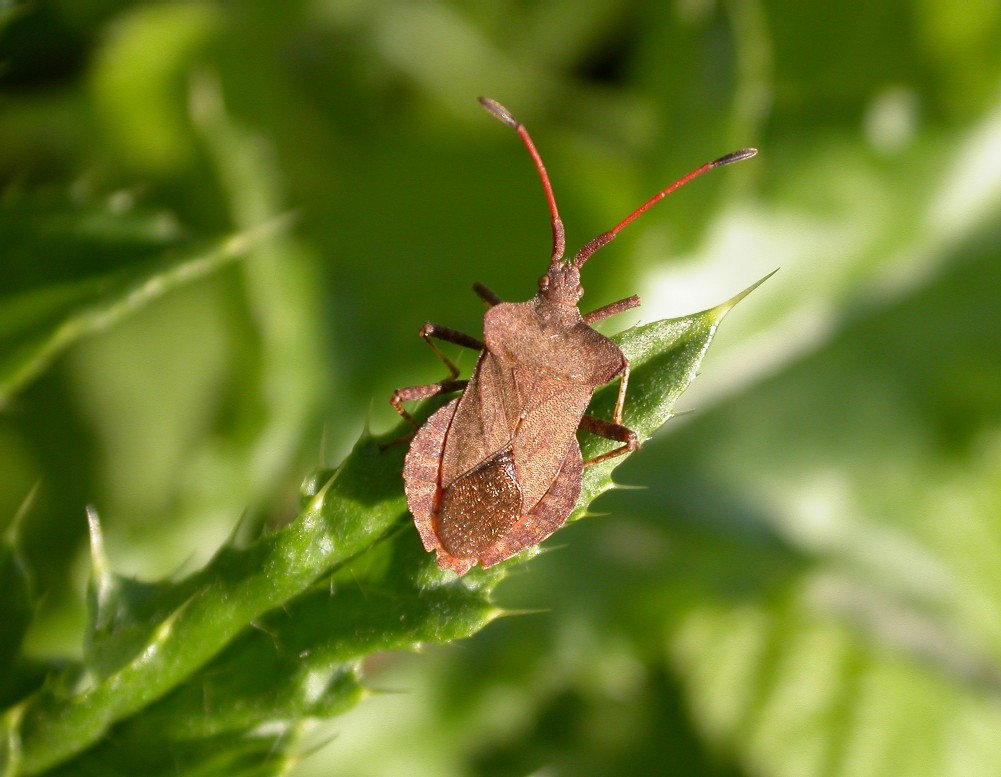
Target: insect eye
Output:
[(544, 282)]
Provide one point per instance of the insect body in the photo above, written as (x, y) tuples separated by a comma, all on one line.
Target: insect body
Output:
[(498, 469)]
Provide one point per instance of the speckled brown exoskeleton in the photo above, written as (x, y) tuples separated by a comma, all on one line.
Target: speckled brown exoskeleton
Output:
[(498, 469)]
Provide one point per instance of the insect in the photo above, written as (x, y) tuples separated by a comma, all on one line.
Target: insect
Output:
[(498, 469)]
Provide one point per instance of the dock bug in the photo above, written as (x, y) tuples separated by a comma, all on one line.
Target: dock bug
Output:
[(498, 469)]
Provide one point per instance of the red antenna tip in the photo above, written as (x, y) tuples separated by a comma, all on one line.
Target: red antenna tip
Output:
[(606, 237), (499, 112)]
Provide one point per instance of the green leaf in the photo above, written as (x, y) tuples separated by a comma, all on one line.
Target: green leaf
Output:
[(664, 357), (17, 607), (36, 326), (233, 755), (879, 652), (264, 635), (16, 610)]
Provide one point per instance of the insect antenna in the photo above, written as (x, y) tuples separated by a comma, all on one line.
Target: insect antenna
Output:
[(503, 114), (607, 237)]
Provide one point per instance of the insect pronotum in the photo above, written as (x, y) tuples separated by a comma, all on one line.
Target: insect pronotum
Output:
[(498, 469)]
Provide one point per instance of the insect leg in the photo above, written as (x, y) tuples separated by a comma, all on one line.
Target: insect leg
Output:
[(447, 335), (609, 431), (610, 310), (415, 393), (486, 294), (447, 386)]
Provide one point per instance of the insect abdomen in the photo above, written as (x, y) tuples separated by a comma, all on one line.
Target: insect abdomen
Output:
[(480, 507)]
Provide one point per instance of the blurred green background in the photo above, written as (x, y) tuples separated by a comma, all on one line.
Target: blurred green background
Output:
[(809, 581)]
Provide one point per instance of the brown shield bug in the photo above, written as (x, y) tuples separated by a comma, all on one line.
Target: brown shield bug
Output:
[(498, 469)]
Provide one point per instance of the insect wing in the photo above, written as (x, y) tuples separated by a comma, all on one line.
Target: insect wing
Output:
[(484, 420), (551, 412), (548, 515)]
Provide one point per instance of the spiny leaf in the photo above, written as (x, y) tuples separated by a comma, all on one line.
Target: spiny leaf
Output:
[(665, 357), (176, 647)]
